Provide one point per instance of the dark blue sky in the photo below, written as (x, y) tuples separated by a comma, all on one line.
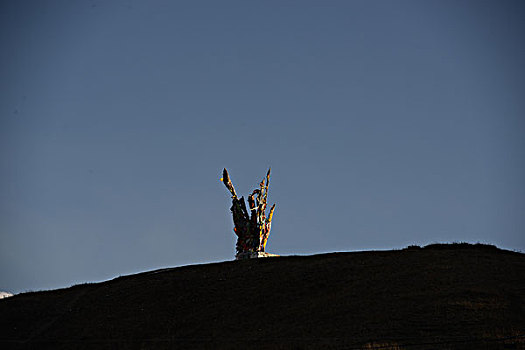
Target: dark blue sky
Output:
[(386, 123)]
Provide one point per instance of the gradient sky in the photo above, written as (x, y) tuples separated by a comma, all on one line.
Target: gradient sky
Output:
[(386, 124)]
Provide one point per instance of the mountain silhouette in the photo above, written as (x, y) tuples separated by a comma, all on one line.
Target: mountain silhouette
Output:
[(442, 296)]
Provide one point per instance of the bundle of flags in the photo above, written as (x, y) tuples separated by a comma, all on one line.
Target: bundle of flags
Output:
[(252, 228)]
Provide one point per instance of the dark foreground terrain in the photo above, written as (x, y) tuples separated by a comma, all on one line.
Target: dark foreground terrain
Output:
[(439, 297)]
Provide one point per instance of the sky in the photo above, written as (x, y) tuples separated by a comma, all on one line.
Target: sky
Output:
[(386, 124)]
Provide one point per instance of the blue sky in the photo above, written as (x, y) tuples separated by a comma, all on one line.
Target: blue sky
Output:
[(386, 124)]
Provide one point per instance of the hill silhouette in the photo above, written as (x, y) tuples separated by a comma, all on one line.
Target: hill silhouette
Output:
[(457, 296)]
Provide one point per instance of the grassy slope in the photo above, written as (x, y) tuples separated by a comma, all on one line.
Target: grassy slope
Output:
[(442, 296)]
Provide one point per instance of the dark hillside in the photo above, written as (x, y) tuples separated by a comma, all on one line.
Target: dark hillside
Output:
[(438, 297)]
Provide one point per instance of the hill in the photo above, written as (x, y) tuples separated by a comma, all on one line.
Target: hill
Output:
[(456, 296)]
